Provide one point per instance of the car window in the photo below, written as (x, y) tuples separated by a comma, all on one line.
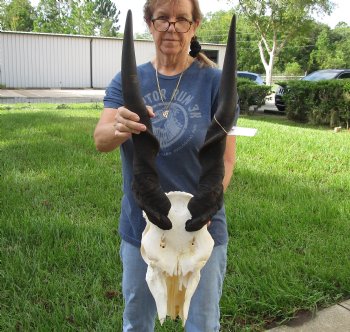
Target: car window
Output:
[(318, 76), (345, 75), (244, 75)]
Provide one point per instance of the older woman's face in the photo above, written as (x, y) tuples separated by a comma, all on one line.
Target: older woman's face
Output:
[(170, 42)]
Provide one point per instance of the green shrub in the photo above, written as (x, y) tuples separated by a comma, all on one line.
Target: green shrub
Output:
[(299, 100), (293, 69), (250, 94), (324, 102), (344, 112), (62, 106)]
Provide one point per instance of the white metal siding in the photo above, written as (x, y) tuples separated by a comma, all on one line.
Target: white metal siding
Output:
[(33, 60), (44, 61), (106, 58)]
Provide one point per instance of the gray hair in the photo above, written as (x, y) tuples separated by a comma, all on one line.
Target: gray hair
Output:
[(197, 16)]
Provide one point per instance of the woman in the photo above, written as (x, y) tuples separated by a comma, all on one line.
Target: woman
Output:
[(182, 93)]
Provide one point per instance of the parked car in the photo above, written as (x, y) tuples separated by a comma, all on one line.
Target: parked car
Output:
[(325, 74), (251, 76)]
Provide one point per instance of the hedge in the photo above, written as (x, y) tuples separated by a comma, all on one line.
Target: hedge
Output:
[(250, 94), (324, 102)]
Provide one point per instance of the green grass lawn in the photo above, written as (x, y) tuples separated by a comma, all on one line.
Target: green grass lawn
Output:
[(288, 213)]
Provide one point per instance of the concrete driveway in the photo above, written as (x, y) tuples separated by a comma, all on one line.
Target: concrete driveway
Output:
[(11, 96)]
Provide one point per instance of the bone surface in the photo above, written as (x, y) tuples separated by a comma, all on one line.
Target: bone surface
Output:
[(175, 258)]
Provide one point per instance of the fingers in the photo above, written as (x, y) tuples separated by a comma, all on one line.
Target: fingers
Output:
[(150, 112), (127, 123)]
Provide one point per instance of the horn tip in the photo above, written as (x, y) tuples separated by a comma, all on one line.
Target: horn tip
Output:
[(129, 14)]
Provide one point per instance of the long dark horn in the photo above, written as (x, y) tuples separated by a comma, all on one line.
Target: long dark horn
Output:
[(146, 187), (209, 197)]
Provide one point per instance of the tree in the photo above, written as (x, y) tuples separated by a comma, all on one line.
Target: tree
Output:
[(248, 51), (83, 17), (343, 43), (81, 20), (108, 29), (143, 35), (108, 18), (293, 69), (94, 17), (52, 16), (332, 48), (277, 22), (298, 49), (17, 15), (214, 30), (3, 6)]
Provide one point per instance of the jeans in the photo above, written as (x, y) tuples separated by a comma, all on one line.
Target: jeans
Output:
[(140, 309)]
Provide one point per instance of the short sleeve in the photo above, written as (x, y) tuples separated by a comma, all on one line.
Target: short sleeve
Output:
[(114, 95)]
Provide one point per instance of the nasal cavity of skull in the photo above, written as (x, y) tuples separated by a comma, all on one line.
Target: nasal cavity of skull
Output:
[(162, 242)]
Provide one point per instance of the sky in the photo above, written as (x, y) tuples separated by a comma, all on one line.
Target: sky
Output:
[(340, 12)]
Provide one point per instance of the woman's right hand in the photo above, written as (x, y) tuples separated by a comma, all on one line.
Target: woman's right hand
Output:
[(116, 126), (127, 122)]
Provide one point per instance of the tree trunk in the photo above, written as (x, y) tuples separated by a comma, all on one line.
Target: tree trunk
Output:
[(269, 69), (268, 65)]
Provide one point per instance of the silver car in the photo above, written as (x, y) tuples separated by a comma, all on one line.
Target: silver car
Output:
[(251, 76)]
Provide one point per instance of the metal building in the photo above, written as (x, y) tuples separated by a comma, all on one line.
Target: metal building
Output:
[(39, 60)]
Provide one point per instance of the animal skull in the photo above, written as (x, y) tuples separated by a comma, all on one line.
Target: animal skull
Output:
[(175, 258)]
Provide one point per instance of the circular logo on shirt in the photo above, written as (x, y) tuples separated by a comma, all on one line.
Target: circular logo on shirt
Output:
[(173, 131)]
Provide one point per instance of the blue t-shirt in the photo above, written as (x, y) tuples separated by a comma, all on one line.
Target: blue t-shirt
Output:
[(180, 135)]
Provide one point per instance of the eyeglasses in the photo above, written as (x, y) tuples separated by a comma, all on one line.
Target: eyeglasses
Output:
[(162, 25)]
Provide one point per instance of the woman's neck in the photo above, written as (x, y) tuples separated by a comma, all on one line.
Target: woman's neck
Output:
[(171, 65)]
